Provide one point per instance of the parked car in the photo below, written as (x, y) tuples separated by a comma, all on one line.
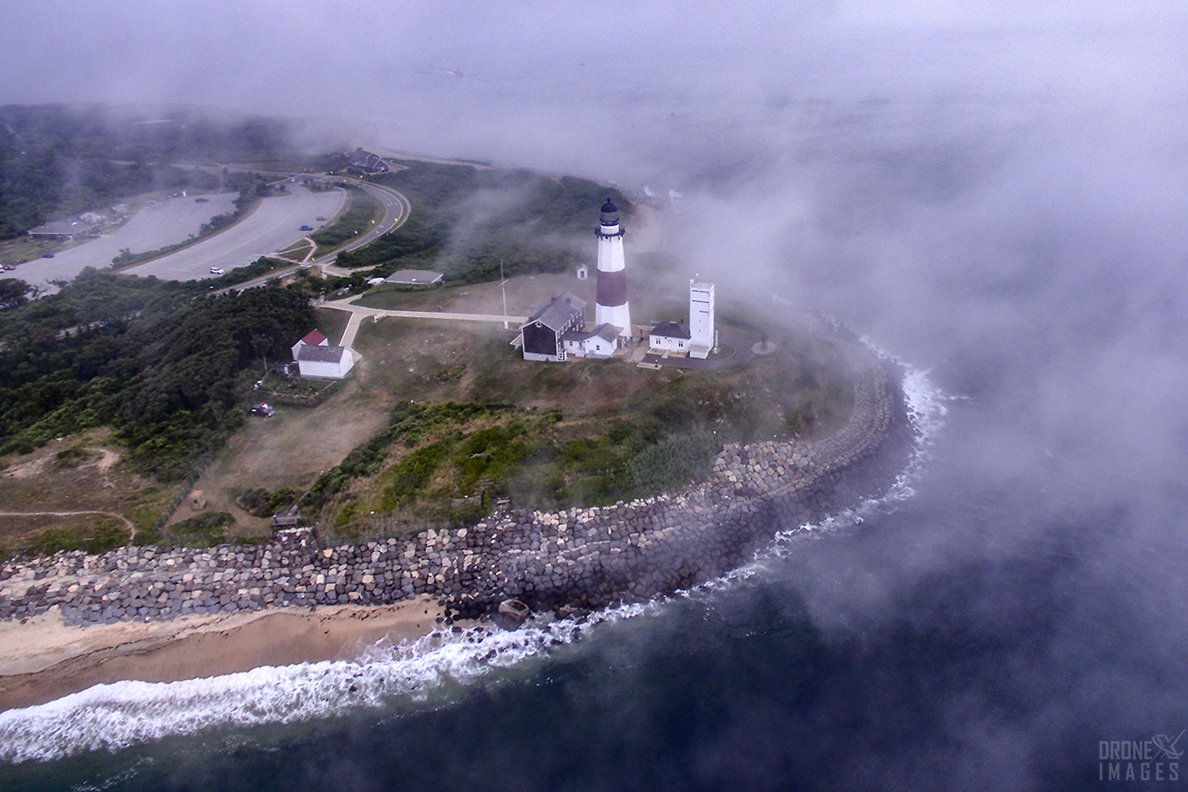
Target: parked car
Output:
[(47, 255), (9, 268), (216, 271), (263, 410), (307, 228)]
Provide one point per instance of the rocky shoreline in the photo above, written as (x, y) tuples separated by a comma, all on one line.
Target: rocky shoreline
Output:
[(565, 561)]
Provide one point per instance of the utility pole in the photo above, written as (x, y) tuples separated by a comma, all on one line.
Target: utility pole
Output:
[(503, 289)]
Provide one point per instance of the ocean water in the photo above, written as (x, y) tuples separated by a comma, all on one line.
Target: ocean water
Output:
[(1015, 235), (904, 644)]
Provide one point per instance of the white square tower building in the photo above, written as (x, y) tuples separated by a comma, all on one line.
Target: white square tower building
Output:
[(702, 336)]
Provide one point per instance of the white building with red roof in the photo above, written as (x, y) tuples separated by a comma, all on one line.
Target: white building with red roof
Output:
[(317, 357), (312, 338)]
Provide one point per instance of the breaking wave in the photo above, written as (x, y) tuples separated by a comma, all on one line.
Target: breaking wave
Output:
[(115, 716)]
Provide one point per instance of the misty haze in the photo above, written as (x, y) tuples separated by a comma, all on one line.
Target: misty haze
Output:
[(984, 207)]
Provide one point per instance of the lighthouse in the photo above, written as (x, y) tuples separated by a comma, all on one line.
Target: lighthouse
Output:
[(611, 306)]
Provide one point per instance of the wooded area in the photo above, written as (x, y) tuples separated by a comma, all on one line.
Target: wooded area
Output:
[(164, 363), (466, 221)]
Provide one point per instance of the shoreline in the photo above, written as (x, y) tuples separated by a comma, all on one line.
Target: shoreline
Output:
[(44, 659), (163, 614)]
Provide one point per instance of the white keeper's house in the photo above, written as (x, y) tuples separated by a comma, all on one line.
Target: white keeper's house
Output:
[(316, 357)]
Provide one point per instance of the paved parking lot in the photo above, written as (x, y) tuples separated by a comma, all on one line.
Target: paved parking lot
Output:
[(273, 225), (167, 222)]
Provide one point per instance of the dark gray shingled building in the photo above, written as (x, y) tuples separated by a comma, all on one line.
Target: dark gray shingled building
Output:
[(543, 331)]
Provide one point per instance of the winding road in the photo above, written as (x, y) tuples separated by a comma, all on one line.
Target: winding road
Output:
[(396, 209)]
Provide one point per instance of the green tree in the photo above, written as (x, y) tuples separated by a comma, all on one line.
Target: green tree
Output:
[(14, 292)]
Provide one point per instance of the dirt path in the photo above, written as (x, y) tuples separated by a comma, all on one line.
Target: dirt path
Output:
[(120, 517), (108, 458)]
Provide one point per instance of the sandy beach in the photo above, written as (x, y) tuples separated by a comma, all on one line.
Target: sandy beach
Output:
[(44, 659)]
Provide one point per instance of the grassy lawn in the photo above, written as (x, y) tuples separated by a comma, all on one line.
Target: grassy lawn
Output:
[(291, 449), (361, 213), (332, 323), (474, 362), (525, 293), (78, 473), (297, 252), (47, 534), (475, 422)]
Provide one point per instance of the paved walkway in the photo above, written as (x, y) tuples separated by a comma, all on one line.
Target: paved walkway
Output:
[(359, 312)]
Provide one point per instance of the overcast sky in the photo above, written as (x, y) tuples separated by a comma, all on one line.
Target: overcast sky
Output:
[(567, 70)]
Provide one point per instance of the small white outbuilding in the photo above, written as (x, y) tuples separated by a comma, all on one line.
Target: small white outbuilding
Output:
[(670, 337), (601, 343)]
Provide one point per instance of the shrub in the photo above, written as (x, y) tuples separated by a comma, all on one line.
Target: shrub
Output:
[(106, 533), (260, 502), (205, 530), (673, 462)]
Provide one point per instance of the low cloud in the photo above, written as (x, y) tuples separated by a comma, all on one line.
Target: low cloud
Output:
[(995, 195)]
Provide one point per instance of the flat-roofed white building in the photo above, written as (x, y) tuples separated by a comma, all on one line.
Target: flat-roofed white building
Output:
[(415, 277)]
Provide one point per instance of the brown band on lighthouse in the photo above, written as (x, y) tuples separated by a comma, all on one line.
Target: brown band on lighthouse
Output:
[(612, 288)]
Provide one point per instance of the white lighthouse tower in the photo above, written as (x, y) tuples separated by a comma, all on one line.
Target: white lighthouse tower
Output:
[(611, 306)]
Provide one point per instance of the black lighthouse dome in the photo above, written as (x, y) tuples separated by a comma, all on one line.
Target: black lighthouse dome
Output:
[(610, 213)]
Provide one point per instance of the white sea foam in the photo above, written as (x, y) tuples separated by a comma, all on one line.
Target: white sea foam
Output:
[(115, 716), (926, 410), (118, 715)]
